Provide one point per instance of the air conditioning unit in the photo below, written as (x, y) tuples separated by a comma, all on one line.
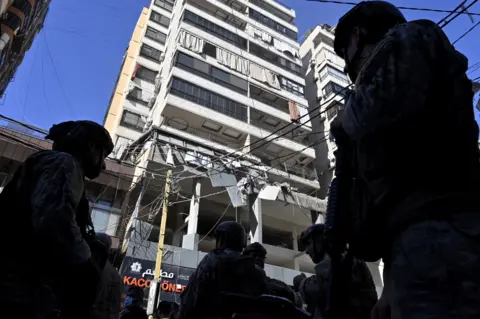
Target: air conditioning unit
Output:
[(315, 77)]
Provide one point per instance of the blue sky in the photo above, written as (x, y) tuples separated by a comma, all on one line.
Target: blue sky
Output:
[(70, 71)]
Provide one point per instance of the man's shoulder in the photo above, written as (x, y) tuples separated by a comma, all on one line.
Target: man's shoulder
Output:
[(53, 159)]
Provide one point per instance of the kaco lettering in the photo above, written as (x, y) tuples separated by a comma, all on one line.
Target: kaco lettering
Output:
[(145, 283)]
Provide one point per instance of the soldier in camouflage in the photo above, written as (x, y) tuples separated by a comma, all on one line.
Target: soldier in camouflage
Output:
[(224, 270), (274, 287), (360, 294), (50, 272), (417, 165)]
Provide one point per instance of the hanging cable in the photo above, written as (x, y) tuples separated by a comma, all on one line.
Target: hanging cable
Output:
[(399, 7)]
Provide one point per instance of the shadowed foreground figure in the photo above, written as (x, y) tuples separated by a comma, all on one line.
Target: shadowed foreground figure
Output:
[(416, 160), (360, 294), (54, 268), (107, 304), (222, 270), (274, 287)]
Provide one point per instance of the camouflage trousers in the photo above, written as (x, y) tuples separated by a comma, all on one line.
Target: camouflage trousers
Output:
[(434, 270)]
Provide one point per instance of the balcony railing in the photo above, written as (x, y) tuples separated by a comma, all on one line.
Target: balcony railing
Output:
[(205, 135)]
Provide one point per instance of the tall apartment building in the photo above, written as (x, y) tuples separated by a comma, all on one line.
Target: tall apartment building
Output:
[(325, 90), (324, 76), (20, 22), (203, 82)]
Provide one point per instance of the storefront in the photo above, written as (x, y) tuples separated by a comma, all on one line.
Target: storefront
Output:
[(139, 272)]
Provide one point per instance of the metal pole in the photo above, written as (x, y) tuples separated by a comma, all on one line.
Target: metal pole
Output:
[(161, 238)]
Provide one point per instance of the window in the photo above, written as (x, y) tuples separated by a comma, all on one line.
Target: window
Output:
[(151, 53), (104, 221), (269, 56), (120, 144), (333, 110), (292, 87), (165, 4), (210, 50), (208, 99), (160, 19), (156, 35), (265, 6), (214, 29), (132, 120), (332, 88), (146, 74), (137, 95), (329, 71), (273, 24), (211, 73)]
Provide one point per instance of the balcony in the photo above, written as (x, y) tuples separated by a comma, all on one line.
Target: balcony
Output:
[(275, 59), (217, 12), (272, 124), (268, 98), (271, 9), (272, 24), (208, 99), (214, 29)]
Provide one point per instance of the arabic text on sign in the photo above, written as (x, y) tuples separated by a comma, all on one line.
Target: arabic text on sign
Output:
[(163, 274)]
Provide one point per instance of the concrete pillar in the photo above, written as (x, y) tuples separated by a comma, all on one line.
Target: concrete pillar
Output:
[(190, 240), (296, 264), (256, 222)]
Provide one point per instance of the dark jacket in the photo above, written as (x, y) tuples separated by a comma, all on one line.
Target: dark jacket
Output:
[(107, 305), (360, 296), (411, 120), (219, 271), (43, 197)]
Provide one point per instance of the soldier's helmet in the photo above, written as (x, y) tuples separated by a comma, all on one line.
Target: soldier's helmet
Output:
[(376, 16), (313, 230), (73, 132), (232, 235)]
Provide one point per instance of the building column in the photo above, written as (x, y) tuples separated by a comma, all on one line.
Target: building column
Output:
[(190, 240), (256, 222), (296, 264)]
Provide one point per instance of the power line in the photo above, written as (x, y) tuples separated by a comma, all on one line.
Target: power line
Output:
[(56, 74), (454, 10), (466, 33), (463, 11), (401, 8)]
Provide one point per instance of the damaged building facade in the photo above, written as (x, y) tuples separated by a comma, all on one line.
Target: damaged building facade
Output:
[(214, 91)]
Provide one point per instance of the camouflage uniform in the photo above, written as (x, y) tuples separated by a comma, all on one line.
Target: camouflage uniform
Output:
[(219, 271), (411, 119), (41, 269), (361, 297)]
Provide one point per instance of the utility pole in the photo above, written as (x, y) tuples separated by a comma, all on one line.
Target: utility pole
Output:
[(154, 291)]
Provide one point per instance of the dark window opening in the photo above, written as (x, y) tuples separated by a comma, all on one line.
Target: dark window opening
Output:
[(132, 120), (165, 4), (160, 19), (210, 50), (211, 73), (292, 87), (151, 53), (273, 24), (212, 28), (275, 59), (137, 95), (146, 74), (208, 99), (156, 35)]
